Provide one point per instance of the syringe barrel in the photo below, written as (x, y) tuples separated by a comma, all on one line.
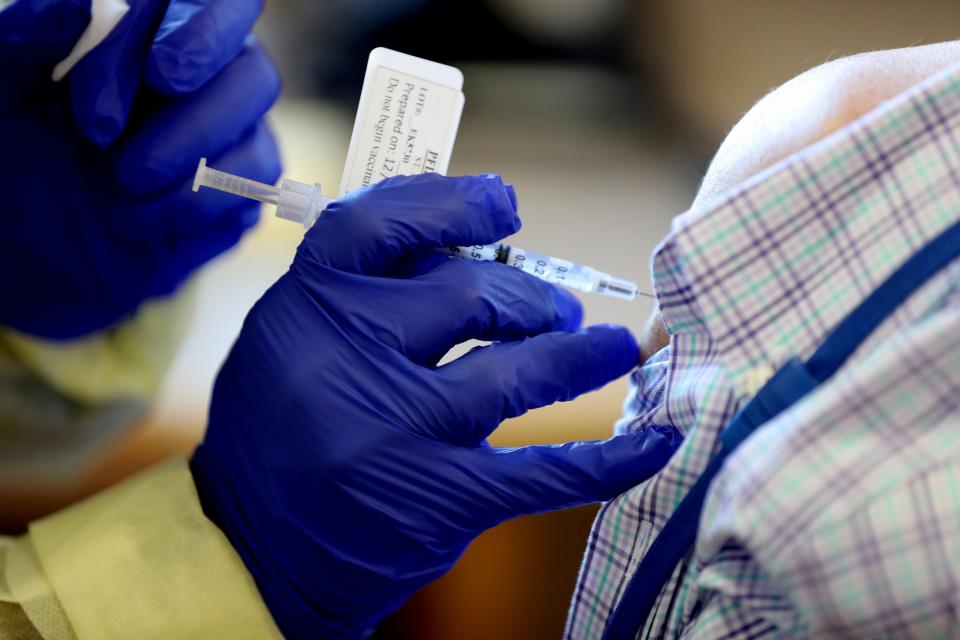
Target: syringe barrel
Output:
[(554, 270)]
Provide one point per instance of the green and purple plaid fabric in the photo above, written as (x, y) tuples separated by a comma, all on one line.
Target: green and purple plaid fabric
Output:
[(840, 518)]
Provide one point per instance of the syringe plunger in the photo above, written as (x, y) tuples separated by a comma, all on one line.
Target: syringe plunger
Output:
[(223, 181)]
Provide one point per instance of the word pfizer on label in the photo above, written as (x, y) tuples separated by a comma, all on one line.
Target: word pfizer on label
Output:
[(407, 119)]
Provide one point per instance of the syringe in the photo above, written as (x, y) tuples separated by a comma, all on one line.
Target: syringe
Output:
[(303, 203)]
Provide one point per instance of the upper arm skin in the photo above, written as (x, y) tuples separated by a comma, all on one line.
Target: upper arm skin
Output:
[(803, 111)]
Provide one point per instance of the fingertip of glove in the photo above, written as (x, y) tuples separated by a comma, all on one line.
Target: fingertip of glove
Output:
[(668, 435), (569, 310), (616, 345), (172, 72), (186, 51), (198, 39), (249, 216), (101, 129), (512, 194), (635, 457), (503, 198)]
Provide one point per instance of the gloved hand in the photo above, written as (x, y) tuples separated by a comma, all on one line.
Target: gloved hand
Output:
[(98, 212), (349, 470)]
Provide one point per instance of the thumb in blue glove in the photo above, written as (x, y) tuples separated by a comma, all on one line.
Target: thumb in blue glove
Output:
[(89, 233), (345, 466)]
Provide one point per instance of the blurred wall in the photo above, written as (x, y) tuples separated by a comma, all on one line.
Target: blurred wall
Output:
[(712, 60)]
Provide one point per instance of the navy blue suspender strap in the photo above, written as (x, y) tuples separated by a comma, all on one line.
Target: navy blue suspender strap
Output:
[(788, 385)]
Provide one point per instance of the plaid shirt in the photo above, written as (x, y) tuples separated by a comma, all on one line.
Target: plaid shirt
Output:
[(840, 517)]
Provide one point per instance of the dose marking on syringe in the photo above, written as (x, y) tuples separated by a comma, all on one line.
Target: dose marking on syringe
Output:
[(548, 268)]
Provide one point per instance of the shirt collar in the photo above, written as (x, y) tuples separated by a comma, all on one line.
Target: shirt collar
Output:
[(774, 264)]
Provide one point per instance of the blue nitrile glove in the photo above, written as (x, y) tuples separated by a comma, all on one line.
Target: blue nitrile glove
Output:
[(195, 39), (347, 469), (90, 233)]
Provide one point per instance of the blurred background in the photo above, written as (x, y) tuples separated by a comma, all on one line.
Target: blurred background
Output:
[(603, 114)]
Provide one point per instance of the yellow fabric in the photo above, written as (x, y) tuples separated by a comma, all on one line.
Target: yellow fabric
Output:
[(14, 622), (139, 560), (125, 361), (29, 588)]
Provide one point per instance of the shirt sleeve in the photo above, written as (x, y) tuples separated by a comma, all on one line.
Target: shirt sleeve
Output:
[(62, 402), (128, 360), (139, 560)]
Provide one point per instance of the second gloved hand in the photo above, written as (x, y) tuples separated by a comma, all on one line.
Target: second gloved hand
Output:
[(90, 230), (345, 466)]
